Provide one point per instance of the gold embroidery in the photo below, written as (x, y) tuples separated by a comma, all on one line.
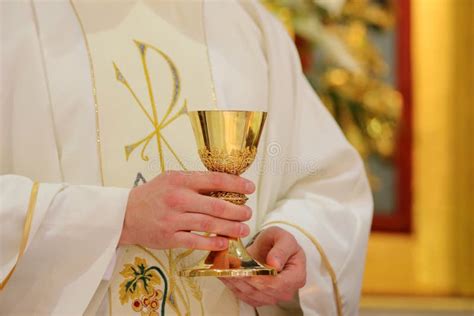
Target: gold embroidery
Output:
[(213, 88), (140, 285), (173, 290), (176, 289), (195, 291), (157, 124), (94, 91), (26, 231), (324, 259)]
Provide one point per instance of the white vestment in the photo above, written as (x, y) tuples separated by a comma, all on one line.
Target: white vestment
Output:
[(73, 141)]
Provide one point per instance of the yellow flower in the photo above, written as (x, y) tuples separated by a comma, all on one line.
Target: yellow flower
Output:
[(127, 271)]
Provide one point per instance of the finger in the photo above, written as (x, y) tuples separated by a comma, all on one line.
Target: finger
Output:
[(287, 281), (295, 270), (204, 182), (273, 237), (195, 241), (190, 201), (218, 208), (266, 298), (284, 246), (206, 223), (278, 288), (246, 299), (249, 299), (228, 282), (270, 285)]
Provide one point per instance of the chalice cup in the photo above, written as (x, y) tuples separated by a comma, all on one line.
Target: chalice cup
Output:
[(227, 142)]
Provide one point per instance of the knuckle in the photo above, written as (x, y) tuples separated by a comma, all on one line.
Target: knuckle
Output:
[(175, 178), (172, 199), (166, 229), (292, 239), (218, 207), (191, 243), (278, 252), (280, 231), (236, 229), (216, 179), (206, 225), (216, 243), (274, 231)]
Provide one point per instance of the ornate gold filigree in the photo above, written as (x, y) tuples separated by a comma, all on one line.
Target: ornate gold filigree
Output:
[(232, 197), (235, 162)]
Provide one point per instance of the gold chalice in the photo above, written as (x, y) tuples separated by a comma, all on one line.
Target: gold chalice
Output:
[(227, 142)]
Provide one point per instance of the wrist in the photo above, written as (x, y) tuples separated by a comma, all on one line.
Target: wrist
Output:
[(125, 233)]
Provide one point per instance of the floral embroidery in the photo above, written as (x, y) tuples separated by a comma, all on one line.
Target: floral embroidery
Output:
[(141, 288)]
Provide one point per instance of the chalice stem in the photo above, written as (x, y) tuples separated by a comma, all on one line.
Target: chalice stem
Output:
[(232, 197)]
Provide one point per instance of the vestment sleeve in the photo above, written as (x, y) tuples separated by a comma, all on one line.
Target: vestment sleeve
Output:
[(325, 200), (56, 238)]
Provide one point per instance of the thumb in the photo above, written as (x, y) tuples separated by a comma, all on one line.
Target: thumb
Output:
[(284, 247)]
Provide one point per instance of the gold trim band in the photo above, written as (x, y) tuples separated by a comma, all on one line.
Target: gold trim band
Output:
[(324, 258), (213, 85), (26, 231), (94, 90)]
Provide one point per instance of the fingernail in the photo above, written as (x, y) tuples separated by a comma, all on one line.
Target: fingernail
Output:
[(249, 186)]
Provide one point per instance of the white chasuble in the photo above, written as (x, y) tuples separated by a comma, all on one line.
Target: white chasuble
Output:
[(93, 101)]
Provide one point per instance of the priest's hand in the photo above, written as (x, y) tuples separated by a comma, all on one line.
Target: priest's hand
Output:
[(163, 213), (278, 248)]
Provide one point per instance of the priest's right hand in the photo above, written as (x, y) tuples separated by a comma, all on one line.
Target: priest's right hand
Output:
[(164, 212)]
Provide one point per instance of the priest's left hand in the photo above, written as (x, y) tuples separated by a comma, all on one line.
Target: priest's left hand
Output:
[(279, 249)]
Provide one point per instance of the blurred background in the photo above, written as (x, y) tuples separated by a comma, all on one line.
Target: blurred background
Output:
[(398, 76)]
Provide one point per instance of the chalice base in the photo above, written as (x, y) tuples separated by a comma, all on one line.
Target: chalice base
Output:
[(235, 261)]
